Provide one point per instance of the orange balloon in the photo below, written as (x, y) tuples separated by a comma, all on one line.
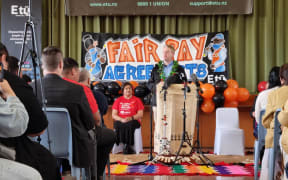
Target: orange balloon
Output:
[(119, 83), (208, 90), (242, 94), (231, 104), (232, 83), (230, 94), (134, 84), (95, 82), (207, 106)]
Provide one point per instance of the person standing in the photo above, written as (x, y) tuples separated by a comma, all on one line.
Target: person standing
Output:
[(169, 72), (166, 70)]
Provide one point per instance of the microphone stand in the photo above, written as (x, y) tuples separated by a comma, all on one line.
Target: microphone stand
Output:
[(197, 146), (185, 137)]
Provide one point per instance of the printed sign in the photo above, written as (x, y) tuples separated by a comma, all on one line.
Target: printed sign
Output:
[(157, 7), (132, 57), (14, 15)]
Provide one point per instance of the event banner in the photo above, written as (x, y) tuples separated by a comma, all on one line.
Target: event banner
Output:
[(157, 7), (132, 57), (14, 15)]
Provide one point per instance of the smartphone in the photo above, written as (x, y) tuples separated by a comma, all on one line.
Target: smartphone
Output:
[(1, 72)]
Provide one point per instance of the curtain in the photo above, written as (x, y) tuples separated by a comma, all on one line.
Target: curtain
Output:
[(257, 42)]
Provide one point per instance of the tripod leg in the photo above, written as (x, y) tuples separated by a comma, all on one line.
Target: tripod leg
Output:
[(21, 62)]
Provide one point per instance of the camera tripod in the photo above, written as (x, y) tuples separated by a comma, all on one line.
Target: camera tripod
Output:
[(33, 54)]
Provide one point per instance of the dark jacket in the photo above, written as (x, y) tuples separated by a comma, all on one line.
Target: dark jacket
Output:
[(102, 103), (61, 93), (27, 151), (178, 77)]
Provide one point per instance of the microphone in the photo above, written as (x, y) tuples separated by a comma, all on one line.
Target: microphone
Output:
[(196, 81), (186, 87), (165, 85), (170, 80)]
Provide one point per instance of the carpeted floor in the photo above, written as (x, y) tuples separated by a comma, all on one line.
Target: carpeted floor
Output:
[(194, 165), (133, 158)]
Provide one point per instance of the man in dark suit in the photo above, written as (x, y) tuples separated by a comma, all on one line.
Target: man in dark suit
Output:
[(27, 151), (168, 71), (105, 137), (61, 93)]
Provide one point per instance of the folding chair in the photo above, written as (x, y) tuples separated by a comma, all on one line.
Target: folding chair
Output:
[(229, 138), (276, 137), (138, 145), (58, 138), (259, 144)]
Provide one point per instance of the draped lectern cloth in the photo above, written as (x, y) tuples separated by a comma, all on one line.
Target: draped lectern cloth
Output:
[(174, 113)]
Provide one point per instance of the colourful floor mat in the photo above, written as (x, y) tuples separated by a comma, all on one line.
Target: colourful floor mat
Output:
[(189, 170)]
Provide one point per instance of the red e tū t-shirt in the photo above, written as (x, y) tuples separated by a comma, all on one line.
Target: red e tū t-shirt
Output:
[(128, 107)]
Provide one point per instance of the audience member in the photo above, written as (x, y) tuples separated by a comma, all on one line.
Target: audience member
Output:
[(14, 121), (27, 151), (13, 66), (61, 93), (276, 99), (105, 137), (261, 102), (283, 119), (14, 117), (127, 112), (71, 73), (100, 98)]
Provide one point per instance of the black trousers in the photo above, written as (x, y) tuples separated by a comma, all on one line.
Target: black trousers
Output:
[(125, 131), (105, 141), (35, 155)]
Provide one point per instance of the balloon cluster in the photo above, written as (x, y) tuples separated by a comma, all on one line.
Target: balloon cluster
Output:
[(223, 93), (113, 90)]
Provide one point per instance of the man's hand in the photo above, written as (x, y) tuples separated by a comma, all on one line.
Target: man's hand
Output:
[(5, 89)]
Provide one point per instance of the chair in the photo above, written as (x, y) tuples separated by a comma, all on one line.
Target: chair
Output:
[(259, 144), (276, 137), (138, 146), (229, 139), (58, 137)]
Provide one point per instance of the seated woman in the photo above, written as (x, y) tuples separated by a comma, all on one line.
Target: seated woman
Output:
[(127, 112)]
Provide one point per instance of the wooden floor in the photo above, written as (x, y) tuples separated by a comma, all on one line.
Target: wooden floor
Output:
[(177, 178)]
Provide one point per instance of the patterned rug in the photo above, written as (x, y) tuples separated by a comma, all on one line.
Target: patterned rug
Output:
[(219, 169)]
